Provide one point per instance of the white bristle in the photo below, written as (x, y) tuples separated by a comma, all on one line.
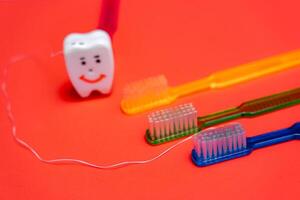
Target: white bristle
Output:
[(167, 122), (216, 142)]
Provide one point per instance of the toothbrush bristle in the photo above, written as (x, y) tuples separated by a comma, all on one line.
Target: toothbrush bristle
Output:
[(172, 121), (214, 143), (145, 94)]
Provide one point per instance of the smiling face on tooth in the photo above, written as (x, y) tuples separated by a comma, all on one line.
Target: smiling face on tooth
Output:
[(89, 62)]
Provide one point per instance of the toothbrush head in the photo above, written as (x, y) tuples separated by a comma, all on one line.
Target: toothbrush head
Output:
[(146, 94), (215, 145), (171, 123)]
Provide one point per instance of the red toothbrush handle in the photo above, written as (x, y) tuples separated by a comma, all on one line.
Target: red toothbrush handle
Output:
[(109, 16)]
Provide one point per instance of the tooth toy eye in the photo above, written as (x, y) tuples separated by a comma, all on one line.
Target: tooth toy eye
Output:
[(97, 57), (82, 60)]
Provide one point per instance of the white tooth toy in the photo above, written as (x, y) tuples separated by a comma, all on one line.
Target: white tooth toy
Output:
[(89, 61)]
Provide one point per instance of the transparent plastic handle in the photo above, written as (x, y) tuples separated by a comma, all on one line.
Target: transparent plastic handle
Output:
[(255, 69), (241, 73)]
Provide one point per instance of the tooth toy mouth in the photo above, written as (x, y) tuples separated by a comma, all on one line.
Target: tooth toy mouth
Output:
[(100, 78)]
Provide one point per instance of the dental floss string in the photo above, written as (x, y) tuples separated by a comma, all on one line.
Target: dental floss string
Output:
[(54, 54), (25, 145)]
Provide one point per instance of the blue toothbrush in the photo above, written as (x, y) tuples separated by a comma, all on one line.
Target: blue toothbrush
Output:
[(219, 144)]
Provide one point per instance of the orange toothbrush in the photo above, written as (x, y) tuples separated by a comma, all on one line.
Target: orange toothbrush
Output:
[(153, 92)]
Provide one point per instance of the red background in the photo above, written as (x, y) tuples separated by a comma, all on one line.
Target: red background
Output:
[(185, 40)]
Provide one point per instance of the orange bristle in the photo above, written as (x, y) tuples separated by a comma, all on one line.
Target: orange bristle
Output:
[(145, 94)]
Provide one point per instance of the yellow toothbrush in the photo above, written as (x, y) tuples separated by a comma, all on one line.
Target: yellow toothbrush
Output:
[(153, 92)]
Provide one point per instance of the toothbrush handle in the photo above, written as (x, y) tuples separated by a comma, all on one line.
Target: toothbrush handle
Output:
[(253, 108), (255, 69), (219, 117), (241, 73), (270, 103), (275, 137), (109, 16)]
